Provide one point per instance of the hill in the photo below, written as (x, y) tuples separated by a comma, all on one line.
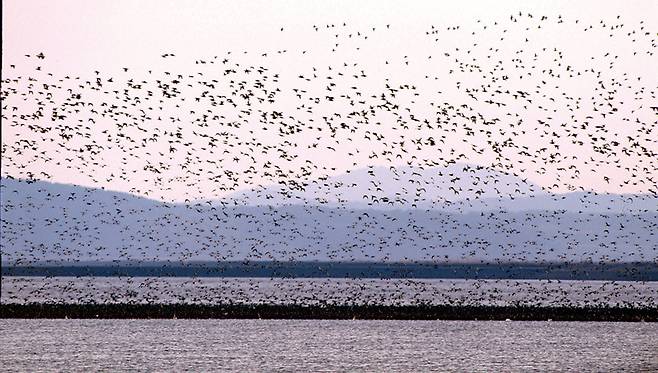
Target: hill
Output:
[(45, 221)]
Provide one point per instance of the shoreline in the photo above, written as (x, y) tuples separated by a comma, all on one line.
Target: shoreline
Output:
[(328, 312), (587, 271)]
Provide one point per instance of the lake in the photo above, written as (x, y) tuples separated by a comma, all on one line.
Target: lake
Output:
[(326, 346), (209, 290)]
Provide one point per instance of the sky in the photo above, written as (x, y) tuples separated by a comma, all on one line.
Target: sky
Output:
[(411, 44)]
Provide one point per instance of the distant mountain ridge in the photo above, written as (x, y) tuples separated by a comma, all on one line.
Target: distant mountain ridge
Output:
[(46, 221), (398, 187), (456, 188)]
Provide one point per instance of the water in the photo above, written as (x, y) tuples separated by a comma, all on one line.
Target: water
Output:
[(325, 345), (327, 290), (328, 345)]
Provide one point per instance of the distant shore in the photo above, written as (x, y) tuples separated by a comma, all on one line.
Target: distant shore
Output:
[(346, 312), (627, 271)]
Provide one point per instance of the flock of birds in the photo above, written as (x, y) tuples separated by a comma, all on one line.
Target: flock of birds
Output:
[(329, 291), (340, 151)]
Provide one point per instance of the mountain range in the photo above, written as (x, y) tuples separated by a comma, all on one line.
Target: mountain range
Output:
[(43, 221)]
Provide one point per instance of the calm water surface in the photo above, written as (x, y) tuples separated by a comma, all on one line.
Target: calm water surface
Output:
[(318, 346)]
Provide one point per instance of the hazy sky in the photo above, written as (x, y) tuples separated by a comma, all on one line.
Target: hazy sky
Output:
[(81, 37)]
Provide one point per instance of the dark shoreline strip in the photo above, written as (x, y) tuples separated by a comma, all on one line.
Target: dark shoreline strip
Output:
[(631, 271), (363, 312)]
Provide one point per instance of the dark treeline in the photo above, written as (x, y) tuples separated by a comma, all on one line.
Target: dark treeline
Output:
[(637, 271), (372, 312)]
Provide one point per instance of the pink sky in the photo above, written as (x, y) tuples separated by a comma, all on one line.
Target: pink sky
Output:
[(80, 37)]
